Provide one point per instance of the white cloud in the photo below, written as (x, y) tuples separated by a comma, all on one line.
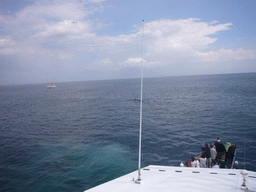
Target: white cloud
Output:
[(133, 62), (41, 27), (227, 55), (56, 10), (182, 34), (7, 45), (137, 62), (64, 28), (104, 65), (181, 41), (105, 62), (39, 16)]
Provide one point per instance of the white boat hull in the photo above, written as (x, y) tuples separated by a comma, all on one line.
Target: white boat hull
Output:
[(179, 179), (51, 86)]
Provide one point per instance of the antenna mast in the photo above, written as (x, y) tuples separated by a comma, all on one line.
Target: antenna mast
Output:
[(141, 91)]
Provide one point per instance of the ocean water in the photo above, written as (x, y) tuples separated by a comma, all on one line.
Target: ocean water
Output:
[(82, 134)]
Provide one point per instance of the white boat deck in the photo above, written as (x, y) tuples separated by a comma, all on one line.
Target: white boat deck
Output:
[(167, 178)]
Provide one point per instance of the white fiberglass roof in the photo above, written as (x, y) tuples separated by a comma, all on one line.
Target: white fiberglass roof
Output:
[(167, 178)]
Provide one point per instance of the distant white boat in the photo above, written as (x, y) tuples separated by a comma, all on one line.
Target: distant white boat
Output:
[(51, 86)]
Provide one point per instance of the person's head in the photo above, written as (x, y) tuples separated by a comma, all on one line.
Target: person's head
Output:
[(211, 145), (222, 157), (213, 162), (193, 158), (234, 146), (203, 155)]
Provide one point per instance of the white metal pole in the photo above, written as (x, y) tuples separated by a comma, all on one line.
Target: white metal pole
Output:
[(141, 96)]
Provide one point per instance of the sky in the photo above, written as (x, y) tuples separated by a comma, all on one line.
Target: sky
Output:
[(51, 41)]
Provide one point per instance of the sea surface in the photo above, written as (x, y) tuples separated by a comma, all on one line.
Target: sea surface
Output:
[(82, 134)]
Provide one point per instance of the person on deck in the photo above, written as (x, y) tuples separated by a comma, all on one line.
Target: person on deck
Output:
[(194, 162), (206, 149), (213, 152), (218, 138), (203, 160), (220, 149), (223, 164), (231, 153), (228, 144), (214, 165), (186, 164)]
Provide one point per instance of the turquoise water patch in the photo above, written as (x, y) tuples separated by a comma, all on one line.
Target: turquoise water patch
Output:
[(68, 167)]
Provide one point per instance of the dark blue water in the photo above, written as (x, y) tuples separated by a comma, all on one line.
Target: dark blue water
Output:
[(81, 134)]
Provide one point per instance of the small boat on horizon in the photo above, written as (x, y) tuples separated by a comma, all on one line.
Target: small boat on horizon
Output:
[(51, 86)]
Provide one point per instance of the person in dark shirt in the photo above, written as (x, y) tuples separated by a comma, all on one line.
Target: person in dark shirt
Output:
[(231, 153), (220, 149), (218, 138), (206, 150)]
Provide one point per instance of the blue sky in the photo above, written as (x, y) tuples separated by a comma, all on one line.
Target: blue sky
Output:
[(76, 40)]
